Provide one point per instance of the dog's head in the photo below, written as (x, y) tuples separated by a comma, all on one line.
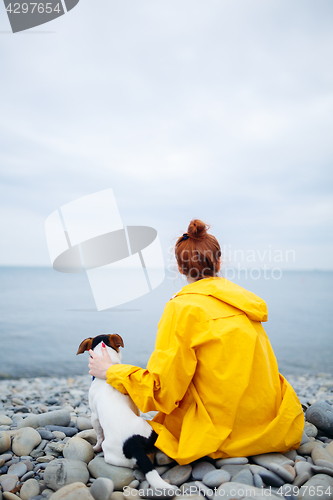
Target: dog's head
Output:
[(112, 343)]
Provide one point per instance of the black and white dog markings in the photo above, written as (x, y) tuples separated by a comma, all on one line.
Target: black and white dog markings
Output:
[(122, 434)]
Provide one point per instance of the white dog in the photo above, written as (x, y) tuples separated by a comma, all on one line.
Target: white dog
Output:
[(124, 436)]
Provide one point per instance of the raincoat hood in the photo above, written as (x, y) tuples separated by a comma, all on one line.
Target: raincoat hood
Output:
[(224, 290)]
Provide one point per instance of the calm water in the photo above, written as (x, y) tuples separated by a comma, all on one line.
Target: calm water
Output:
[(44, 315)]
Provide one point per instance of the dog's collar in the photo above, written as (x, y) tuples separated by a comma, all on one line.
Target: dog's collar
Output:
[(93, 378)]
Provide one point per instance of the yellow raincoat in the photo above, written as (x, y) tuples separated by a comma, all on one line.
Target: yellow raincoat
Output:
[(214, 378)]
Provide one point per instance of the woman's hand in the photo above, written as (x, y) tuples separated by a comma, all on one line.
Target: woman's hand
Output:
[(99, 364)]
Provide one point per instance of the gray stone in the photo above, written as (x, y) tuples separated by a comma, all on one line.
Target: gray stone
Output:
[(121, 476), (292, 455), (83, 423), (74, 491), (162, 459), (29, 489), (79, 449), (267, 458), (25, 441), (215, 478), (201, 468), (61, 472), (244, 477), (102, 488), (320, 414), (57, 417), (179, 474), (4, 420), (205, 490), (68, 431), (233, 469), (269, 477), (18, 469), (44, 434), (8, 482), (317, 483), (4, 441), (27, 476), (285, 471), (134, 484), (232, 461), (310, 429), (306, 449), (321, 457), (258, 482), (89, 435), (29, 421)]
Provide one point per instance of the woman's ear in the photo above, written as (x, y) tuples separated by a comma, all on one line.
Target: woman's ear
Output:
[(218, 265)]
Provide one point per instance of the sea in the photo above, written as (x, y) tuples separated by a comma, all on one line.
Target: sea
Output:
[(44, 316)]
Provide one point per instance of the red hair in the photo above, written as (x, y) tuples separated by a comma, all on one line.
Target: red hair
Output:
[(197, 252)]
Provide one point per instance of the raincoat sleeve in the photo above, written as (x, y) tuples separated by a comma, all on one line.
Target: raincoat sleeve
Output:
[(163, 384)]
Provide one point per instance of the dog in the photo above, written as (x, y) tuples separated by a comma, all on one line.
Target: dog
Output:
[(122, 434)]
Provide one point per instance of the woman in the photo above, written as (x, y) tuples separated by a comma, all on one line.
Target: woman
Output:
[(213, 376)]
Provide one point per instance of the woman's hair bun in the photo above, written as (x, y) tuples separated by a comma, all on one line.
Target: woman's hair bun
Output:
[(197, 228)]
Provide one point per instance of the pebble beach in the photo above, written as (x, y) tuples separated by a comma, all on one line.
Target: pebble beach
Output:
[(46, 451)]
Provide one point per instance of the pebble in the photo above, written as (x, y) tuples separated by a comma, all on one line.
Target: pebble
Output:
[(74, 491), (60, 418), (258, 482), (18, 469), (39, 401), (162, 459), (201, 468), (310, 429), (83, 424), (269, 477), (233, 469), (68, 431), (233, 461), (8, 482), (215, 478), (320, 480), (121, 476), (265, 459), (29, 421), (9, 496), (320, 414), (286, 472), (4, 420), (44, 434), (4, 441), (25, 441), (29, 489), (61, 472), (180, 474), (321, 457), (90, 436), (245, 477), (78, 449)]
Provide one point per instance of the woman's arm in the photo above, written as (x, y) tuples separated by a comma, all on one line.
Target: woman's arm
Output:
[(163, 384)]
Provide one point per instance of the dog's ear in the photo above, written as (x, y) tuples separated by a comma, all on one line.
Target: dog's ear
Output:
[(116, 341), (85, 345)]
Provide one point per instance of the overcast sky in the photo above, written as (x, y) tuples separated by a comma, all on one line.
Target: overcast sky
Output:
[(221, 110)]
